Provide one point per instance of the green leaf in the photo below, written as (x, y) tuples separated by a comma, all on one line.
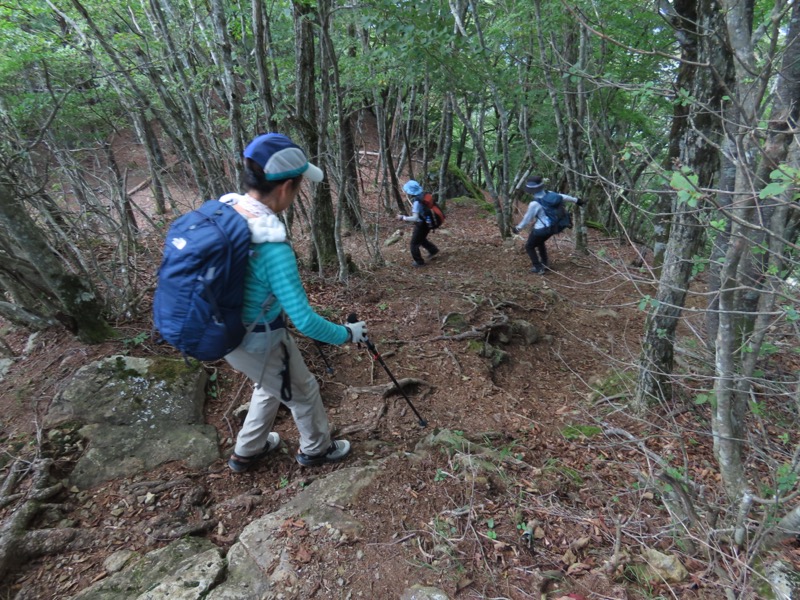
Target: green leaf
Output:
[(774, 189)]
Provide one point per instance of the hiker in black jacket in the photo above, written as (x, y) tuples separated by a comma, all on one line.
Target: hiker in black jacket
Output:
[(542, 228)]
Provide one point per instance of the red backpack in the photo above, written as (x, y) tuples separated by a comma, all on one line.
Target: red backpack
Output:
[(431, 213)]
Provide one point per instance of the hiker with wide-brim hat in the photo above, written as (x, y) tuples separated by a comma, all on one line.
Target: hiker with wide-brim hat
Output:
[(542, 229), (274, 169)]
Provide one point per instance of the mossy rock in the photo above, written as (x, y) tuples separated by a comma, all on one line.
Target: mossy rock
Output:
[(456, 323), (617, 384)]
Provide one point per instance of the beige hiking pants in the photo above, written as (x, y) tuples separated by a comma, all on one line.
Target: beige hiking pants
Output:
[(305, 404)]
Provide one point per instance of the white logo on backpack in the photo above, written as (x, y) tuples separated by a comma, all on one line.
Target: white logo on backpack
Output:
[(179, 243)]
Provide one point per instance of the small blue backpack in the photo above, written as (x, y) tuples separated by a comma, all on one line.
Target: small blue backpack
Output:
[(559, 216), (197, 305)]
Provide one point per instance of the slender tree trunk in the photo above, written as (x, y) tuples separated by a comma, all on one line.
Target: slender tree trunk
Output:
[(260, 35), (229, 83), (569, 108), (323, 222), (445, 148)]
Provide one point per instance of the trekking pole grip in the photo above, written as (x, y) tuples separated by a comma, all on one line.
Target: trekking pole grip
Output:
[(353, 318)]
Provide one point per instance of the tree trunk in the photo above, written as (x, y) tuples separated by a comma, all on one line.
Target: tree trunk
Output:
[(229, 84), (323, 222), (77, 300), (749, 283), (261, 35), (445, 148), (700, 162)]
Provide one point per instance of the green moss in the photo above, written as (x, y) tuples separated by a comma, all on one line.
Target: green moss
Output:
[(456, 323), (85, 309), (555, 466), (475, 346), (170, 369), (598, 226), (473, 189), (616, 384), (119, 367), (577, 432)]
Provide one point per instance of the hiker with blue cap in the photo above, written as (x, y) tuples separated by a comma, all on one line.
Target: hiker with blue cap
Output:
[(274, 169), (546, 222), (419, 238)]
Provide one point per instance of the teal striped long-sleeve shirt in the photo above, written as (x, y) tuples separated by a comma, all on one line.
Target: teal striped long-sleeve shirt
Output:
[(273, 270)]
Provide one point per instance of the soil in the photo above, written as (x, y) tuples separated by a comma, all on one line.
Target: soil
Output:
[(575, 489)]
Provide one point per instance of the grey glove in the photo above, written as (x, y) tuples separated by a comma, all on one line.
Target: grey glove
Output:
[(515, 229), (357, 331), (580, 202)]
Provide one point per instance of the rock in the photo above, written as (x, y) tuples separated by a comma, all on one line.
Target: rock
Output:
[(117, 561), (423, 592), (528, 332), (783, 580), (394, 238), (137, 413), (261, 564), (663, 566), (260, 561), (5, 365), (184, 570)]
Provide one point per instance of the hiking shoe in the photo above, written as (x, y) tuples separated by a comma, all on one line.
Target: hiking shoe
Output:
[(537, 269), (432, 255), (240, 464), (417, 264), (337, 451)]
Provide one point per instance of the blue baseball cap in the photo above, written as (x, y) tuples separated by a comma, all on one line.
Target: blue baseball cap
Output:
[(412, 188), (281, 158)]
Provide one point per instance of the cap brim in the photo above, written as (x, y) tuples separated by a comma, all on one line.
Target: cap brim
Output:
[(313, 173)]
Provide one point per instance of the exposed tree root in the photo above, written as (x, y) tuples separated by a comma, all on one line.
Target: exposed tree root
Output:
[(18, 545), (497, 320)]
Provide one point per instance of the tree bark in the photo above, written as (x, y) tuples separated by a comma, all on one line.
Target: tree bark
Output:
[(749, 283), (229, 84), (77, 300), (261, 36), (323, 221), (698, 165)]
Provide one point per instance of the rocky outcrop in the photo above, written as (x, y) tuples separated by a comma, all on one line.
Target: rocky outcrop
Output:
[(262, 564), (135, 414)]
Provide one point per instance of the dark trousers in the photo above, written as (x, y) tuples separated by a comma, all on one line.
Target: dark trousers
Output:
[(420, 238), (535, 243)]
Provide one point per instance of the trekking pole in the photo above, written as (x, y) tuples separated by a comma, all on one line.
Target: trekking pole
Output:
[(352, 318), (328, 367)]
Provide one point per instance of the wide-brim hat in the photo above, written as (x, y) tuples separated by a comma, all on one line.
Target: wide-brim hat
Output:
[(412, 188), (281, 158), (534, 185)]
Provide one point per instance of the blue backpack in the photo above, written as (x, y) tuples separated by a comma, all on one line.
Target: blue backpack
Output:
[(197, 305), (559, 216)]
